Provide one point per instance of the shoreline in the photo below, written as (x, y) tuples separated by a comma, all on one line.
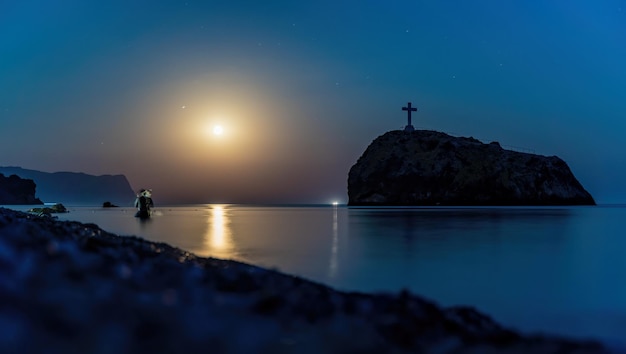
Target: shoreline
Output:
[(76, 288)]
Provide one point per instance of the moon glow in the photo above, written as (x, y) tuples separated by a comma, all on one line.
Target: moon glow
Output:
[(218, 130)]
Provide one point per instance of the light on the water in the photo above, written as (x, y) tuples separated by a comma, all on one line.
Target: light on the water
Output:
[(218, 236)]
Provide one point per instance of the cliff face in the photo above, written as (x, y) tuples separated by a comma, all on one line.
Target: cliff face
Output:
[(15, 190), (77, 188), (433, 168)]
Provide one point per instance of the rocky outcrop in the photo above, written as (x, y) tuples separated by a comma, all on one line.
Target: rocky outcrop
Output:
[(69, 287), (77, 188), (49, 210), (15, 190), (432, 168)]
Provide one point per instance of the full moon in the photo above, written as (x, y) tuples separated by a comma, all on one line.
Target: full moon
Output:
[(218, 130)]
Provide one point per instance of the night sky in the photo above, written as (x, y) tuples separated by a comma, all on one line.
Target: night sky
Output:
[(302, 87)]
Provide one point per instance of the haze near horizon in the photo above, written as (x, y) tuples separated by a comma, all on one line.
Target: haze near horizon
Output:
[(243, 101)]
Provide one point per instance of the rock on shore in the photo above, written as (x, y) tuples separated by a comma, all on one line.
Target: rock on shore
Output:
[(431, 168), (15, 190), (68, 287)]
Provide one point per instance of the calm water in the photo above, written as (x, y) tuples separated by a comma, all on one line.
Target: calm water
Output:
[(559, 270)]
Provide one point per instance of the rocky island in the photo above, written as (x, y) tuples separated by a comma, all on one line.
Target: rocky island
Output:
[(69, 287), (423, 167)]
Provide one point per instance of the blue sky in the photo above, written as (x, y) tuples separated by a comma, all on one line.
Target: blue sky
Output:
[(301, 88)]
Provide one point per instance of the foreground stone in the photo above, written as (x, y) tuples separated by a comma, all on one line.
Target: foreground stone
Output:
[(425, 167), (68, 287)]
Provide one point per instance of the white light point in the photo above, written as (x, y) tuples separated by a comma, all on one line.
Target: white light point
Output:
[(218, 130)]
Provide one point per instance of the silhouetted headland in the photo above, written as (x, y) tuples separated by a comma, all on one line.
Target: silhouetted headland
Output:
[(69, 287), (424, 167), (77, 188), (16, 190)]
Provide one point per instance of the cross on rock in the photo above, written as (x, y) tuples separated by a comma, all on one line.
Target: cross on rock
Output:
[(409, 127)]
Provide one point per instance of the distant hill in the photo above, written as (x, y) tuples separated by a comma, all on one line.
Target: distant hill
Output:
[(76, 188)]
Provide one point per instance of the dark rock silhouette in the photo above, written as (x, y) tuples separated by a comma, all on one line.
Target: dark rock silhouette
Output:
[(49, 210), (432, 168), (77, 188), (15, 190), (109, 205)]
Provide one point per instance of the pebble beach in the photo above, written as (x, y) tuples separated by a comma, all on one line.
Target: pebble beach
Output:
[(70, 287)]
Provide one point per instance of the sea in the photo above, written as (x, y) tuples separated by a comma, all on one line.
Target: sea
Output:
[(538, 270)]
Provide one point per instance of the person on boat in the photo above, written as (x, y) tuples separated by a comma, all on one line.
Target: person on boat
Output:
[(143, 203)]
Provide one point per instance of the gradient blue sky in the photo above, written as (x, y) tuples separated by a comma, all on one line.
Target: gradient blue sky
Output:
[(302, 87)]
